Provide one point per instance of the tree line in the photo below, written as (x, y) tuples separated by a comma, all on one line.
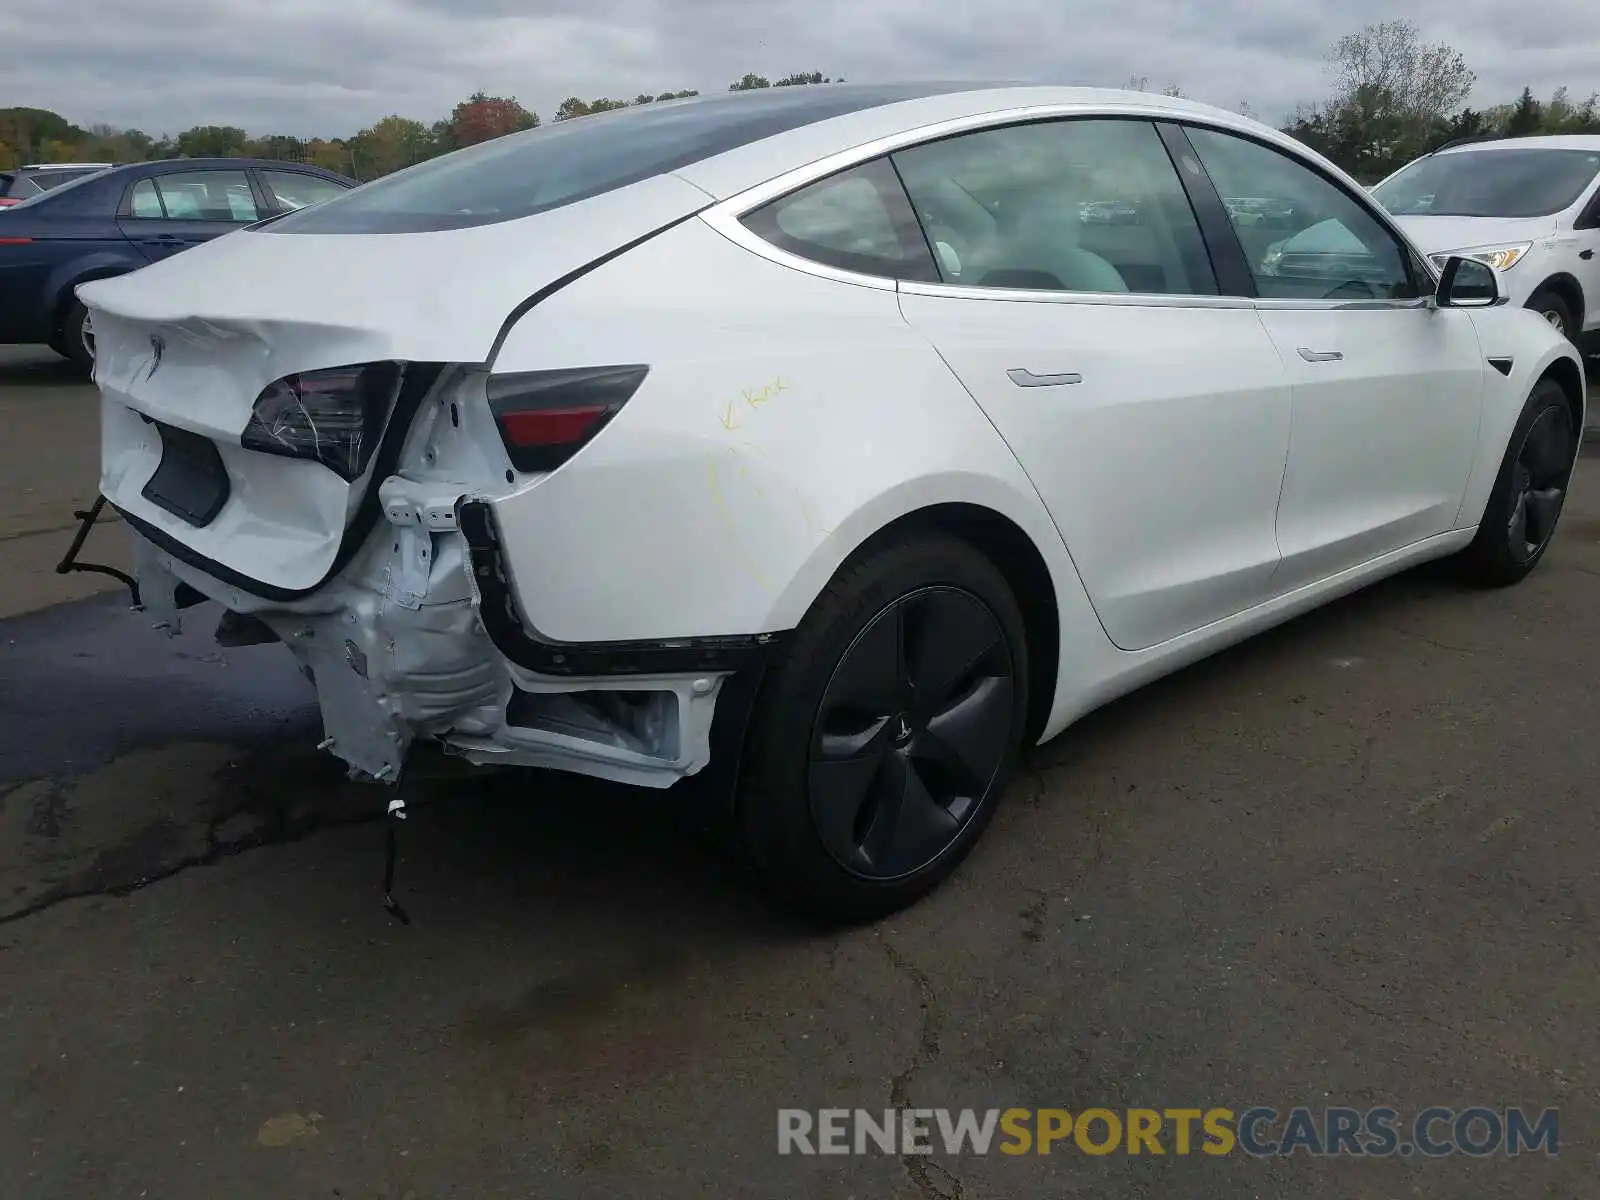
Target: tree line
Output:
[(1392, 97), (39, 135)]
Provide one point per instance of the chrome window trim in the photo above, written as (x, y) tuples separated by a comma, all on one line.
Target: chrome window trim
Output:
[(725, 216), (955, 291), (1278, 303)]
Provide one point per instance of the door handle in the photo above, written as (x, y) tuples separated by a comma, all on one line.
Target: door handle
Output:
[(1024, 378), (164, 239), (1321, 355)]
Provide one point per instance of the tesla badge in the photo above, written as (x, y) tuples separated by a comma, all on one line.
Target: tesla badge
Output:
[(158, 347)]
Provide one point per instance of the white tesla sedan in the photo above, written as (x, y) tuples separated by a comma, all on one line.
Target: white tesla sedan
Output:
[(811, 442)]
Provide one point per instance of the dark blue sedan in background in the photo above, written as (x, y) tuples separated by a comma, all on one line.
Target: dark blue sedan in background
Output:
[(118, 220)]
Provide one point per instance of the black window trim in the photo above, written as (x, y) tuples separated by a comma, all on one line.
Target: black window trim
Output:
[(125, 205), (1411, 256)]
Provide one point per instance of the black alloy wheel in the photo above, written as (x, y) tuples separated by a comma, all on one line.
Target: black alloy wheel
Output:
[(914, 726), (1539, 483)]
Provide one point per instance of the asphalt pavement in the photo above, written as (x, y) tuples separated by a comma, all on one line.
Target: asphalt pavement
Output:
[(1350, 863)]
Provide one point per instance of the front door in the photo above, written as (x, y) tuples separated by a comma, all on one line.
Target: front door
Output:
[(163, 214), (1151, 413), (1387, 389), (1587, 264)]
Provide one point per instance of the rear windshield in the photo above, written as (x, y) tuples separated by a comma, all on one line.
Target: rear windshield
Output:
[(46, 180), (1514, 182), (563, 163), (65, 194)]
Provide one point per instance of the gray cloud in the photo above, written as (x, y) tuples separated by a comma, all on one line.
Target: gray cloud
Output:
[(313, 66)]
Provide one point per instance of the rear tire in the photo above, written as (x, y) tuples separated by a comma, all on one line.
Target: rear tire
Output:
[(886, 731), (1553, 307), (1525, 504), (74, 341)]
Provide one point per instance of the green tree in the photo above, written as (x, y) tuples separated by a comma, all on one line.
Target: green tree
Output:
[(801, 78), (749, 83), (389, 145), (212, 141), (1526, 116), (27, 129)]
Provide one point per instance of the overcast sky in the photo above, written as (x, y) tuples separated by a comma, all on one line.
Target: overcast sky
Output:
[(308, 67)]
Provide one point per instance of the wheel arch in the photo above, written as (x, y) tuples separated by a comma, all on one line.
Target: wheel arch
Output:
[(1568, 288), (66, 291), (1566, 373), (1005, 544)]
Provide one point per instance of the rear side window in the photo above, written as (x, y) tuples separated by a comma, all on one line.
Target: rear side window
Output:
[(858, 220), (563, 163), (295, 189)]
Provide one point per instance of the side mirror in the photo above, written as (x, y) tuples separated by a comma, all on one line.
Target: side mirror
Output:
[(1468, 283)]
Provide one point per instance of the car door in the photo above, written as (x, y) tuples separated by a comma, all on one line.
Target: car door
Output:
[(164, 213), (1586, 266), (1387, 388), (1150, 411), (287, 190)]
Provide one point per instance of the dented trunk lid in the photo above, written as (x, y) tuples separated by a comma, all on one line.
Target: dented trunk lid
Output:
[(185, 346)]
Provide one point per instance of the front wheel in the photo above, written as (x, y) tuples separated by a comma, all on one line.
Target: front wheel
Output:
[(1520, 517), (1554, 309), (887, 730)]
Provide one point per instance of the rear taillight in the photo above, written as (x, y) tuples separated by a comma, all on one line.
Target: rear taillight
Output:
[(335, 417), (545, 417)]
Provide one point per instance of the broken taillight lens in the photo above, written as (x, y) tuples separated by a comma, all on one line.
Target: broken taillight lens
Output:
[(545, 417), (334, 417)]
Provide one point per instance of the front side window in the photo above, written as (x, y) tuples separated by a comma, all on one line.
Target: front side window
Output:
[(195, 196), (857, 220), (1068, 205), (295, 189), (1513, 182), (1305, 238)]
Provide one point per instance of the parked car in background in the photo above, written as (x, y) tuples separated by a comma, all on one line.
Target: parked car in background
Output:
[(808, 441), (1528, 207), (112, 221), (33, 179)]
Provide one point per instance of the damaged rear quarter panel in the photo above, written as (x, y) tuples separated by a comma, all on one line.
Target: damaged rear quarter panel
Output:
[(786, 418)]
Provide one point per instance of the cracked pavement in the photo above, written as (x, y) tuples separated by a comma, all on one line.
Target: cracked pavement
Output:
[(1351, 862)]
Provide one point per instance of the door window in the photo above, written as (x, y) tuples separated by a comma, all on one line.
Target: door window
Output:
[(295, 189), (1304, 236), (195, 196), (1067, 205)]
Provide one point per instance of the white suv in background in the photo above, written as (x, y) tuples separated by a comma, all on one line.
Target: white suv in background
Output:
[(1529, 207)]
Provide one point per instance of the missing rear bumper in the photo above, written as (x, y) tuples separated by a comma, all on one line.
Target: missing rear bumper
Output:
[(396, 658)]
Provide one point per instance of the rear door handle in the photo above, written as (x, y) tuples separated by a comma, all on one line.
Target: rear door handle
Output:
[(1321, 355), (1023, 378), (164, 239)]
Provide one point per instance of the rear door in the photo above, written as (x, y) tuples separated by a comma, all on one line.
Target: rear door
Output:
[(164, 213), (1388, 389), (1150, 411)]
